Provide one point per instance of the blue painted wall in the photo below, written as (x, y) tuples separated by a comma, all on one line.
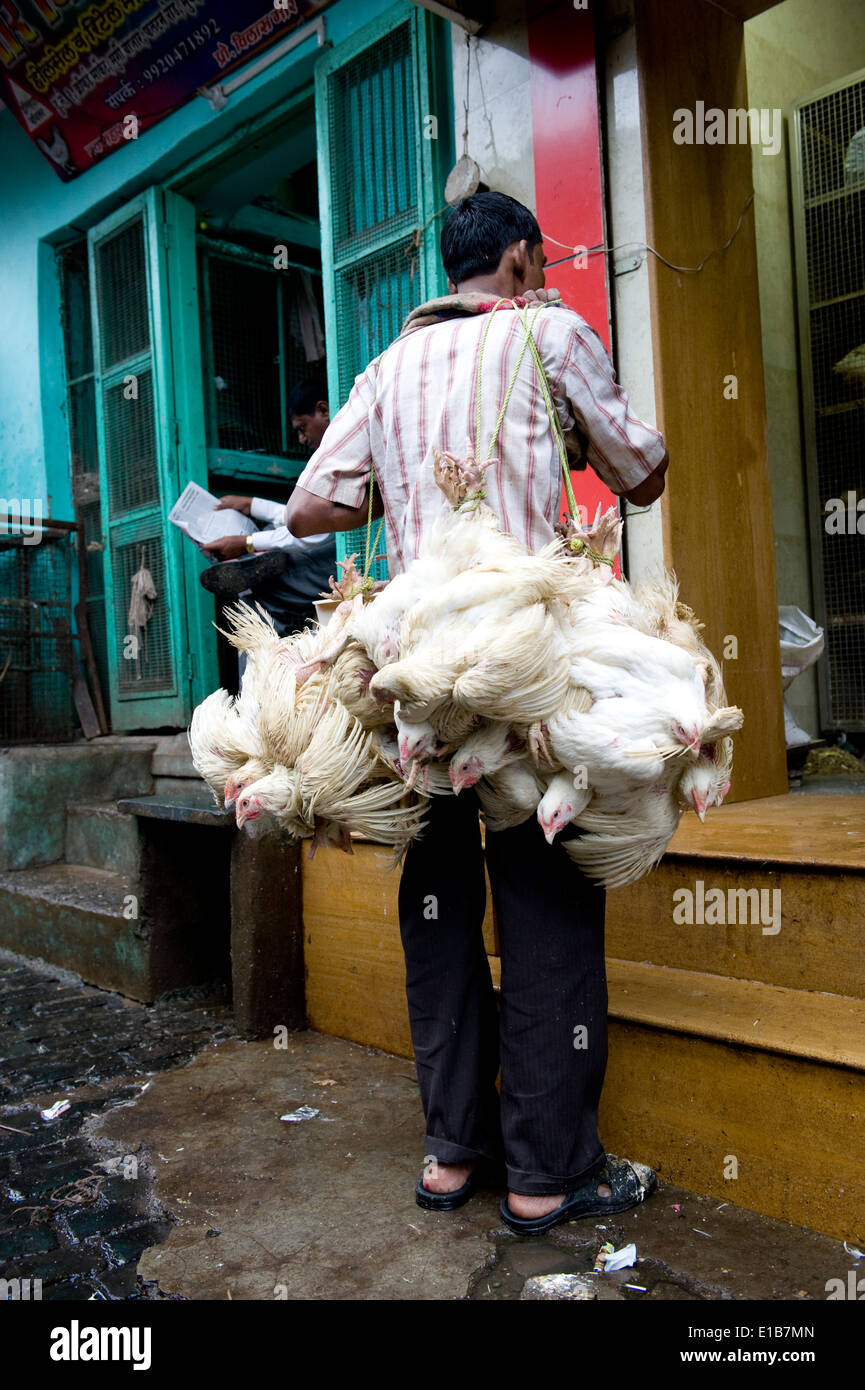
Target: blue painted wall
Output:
[(36, 208)]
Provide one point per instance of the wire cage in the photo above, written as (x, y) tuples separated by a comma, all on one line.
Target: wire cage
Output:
[(36, 653), (354, 543), (829, 219)]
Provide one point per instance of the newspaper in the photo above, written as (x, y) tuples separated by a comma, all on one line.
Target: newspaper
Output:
[(194, 513)]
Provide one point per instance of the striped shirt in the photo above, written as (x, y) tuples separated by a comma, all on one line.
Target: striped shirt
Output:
[(421, 392)]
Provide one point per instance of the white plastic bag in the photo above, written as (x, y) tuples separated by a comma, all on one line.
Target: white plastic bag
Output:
[(801, 645)]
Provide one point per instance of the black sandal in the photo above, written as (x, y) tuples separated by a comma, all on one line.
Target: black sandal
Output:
[(485, 1173), (630, 1184)]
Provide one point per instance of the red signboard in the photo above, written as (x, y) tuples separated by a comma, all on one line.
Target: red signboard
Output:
[(84, 76)]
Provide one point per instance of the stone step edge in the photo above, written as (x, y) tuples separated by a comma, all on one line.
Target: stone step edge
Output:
[(109, 809), (26, 883)]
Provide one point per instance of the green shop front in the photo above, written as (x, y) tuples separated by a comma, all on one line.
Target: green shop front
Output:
[(276, 227)]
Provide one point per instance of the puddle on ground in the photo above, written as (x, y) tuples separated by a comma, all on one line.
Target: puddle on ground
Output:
[(518, 1259)]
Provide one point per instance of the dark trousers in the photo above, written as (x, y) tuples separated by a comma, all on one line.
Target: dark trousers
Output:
[(549, 1032)]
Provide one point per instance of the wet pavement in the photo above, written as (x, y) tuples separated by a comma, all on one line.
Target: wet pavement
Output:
[(175, 1174), (75, 1225)]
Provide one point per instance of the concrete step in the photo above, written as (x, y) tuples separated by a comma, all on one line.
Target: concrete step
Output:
[(79, 917), (167, 787), (806, 1024), (98, 834), (37, 782), (144, 935), (172, 758)]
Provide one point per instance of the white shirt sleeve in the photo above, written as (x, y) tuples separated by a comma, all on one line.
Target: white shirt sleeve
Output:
[(268, 513), (280, 538)]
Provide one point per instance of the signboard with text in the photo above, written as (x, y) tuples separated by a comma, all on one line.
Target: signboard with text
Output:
[(84, 76)]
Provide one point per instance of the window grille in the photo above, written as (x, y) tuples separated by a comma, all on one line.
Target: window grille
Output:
[(384, 186)]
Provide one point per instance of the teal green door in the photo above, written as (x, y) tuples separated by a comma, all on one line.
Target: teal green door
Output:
[(385, 144), (150, 432)]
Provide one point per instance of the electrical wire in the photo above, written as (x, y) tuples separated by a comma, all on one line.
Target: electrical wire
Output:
[(644, 246), (466, 102)]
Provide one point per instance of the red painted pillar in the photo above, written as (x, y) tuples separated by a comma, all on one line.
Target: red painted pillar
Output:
[(568, 187)]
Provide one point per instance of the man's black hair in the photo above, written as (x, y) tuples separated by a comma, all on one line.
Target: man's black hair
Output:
[(305, 396), (478, 231)]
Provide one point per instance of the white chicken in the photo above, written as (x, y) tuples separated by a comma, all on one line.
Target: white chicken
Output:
[(219, 740), (552, 687), (511, 795), (561, 804), (627, 834)]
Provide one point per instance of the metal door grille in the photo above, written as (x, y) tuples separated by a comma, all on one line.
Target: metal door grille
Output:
[(245, 354), (374, 296), (83, 446), (130, 446), (146, 665), (829, 208), (121, 287)]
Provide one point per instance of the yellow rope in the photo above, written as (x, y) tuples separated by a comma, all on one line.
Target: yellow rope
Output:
[(578, 546), (548, 400), (553, 413)]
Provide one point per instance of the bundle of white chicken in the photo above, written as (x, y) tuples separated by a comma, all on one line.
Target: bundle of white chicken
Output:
[(288, 747), (553, 688)]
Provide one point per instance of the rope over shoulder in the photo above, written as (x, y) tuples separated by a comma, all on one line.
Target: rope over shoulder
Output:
[(555, 423)]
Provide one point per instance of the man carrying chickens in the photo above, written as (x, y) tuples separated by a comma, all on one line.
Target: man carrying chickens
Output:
[(425, 395)]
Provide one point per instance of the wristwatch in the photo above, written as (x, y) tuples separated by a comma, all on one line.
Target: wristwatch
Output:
[(250, 547)]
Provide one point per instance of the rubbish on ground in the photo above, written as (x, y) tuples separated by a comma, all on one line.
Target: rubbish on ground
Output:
[(640, 1288), (701, 1233), (606, 1250), (677, 1208), (56, 1110), (13, 1130), (852, 1250), (305, 1112), (324, 1081), (832, 762), (621, 1259), (558, 1286), (722, 1206)]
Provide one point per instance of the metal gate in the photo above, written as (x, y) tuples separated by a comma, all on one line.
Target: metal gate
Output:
[(150, 438)]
